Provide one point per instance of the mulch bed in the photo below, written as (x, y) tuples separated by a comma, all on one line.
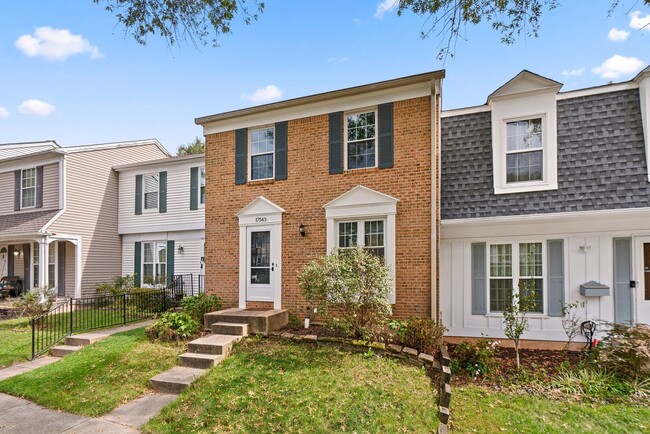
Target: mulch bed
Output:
[(540, 364)]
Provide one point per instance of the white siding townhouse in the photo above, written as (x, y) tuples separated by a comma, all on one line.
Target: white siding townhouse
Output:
[(551, 186), (162, 220)]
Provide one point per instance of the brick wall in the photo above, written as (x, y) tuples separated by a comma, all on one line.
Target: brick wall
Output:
[(310, 186)]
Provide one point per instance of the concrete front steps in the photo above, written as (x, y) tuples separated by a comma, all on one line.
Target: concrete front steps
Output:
[(76, 342), (226, 327)]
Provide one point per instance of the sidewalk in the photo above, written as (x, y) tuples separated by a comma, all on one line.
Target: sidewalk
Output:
[(18, 415)]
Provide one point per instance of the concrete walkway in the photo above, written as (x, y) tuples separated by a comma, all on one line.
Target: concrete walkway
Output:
[(21, 416)]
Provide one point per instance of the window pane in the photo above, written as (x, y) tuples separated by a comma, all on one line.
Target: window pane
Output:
[(147, 273), (347, 235), (261, 257), (525, 134), (260, 275), (501, 260), (361, 143), (29, 197), (530, 259), (361, 154), (262, 166), (262, 140), (148, 253), (151, 192), (162, 253), (524, 166), (500, 294), (28, 178), (51, 270), (202, 184)]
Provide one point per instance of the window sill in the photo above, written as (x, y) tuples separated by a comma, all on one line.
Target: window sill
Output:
[(261, 181), (364, 170), (531, 315), (525, 187)]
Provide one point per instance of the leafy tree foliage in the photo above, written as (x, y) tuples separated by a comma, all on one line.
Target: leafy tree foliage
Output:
[(200, 21), (196, 146)]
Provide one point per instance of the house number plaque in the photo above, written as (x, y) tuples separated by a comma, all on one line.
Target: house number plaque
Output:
[(260, 219)]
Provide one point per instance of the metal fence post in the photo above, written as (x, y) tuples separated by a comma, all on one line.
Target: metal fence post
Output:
[(33, 339), (124, 306), (71, 327)]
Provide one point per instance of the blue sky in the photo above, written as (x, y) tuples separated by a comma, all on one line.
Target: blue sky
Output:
[(68, 71)]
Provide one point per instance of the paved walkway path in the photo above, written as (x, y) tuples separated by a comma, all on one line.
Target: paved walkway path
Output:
[(21, 416)]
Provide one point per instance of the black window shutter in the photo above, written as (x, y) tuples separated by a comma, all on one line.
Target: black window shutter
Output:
[(138, 194), (240, 155), (281, 130), (10, 260), (555, 277), (194, 188), (61, 268), (336, 143), (170, 261), (27, 269), (385, 127), (162, 192), (39, 187), (17, 180), (137, 264), (479, 280)]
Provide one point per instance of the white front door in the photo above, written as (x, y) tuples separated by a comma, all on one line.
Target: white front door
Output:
[(262, 261), (643, 280)]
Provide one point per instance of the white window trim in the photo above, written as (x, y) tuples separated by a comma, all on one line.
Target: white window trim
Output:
[(22, 171), (345, 137), (249, 159), (201, 204), (144, 193), (517, 109), (516, 276), (155, 260), (53, 245)]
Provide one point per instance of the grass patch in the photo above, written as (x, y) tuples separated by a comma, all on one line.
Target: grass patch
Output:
[(97, 378), (476, 409), (16, 341), (267, 386)]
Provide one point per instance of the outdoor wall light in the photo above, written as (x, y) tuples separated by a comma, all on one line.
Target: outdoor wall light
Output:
[(180, 249), (16, 253), (301, 229)]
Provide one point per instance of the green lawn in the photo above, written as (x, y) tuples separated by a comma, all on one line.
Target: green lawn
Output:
[(97, 378), (15, 341), (267, 386), (478, 410)]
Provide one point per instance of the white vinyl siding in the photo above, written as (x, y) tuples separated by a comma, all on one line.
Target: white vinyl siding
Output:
[(188, 262)]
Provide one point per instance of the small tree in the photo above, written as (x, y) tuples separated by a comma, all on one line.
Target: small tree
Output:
[(515, 317), (35, 302), (571, 320), (196, 146), (350, 288)]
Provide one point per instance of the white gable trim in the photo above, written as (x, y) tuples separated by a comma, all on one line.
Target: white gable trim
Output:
[(260, 211)]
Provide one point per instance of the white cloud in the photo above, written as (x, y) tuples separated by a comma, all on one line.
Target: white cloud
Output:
[(337, 59), (36, 107), (385, 6), (574, 72), (56, 44), (356, 20), (639, 22), (265, 94), (618, 35), (617, 65), (4, 113)]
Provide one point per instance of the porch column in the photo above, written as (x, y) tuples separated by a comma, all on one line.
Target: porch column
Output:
[(43, 252)]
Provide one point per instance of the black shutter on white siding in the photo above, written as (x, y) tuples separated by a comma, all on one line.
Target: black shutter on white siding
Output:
[(17, 190), (171, 250), (138, 194), (555, 277), (479, 279), (385, 129), (194, 188), (39, 187), (162, 192), (240, 155), (336, 142), (281, 150), (27, 268), (137, 264), (10, 260)]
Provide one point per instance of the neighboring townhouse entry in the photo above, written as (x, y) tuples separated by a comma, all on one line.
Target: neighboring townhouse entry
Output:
[(642, 250)]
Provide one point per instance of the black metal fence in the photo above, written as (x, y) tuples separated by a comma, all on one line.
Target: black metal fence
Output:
[(82, 314)]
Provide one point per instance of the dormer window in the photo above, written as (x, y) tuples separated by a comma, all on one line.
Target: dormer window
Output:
[(524, 150)]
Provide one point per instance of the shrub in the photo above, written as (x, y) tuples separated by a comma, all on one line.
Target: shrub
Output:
[(592, 382), (119, 285), (626, 350), (476, 359), (36, 301), (350, 289), (423, 334), (197, 306), (173, 326)]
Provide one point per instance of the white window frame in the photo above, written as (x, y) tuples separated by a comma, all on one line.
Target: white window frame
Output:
[(361, 232), (22, 189), (517, 108), (523, 151), (251, 155), (515, 273), (36, 263), (201, 178), (154, 263), (345, 137), (144, 192), (52, 276)]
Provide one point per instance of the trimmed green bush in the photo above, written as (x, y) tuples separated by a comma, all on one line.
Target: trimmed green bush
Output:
[(477, 359), (197, 306), (173, 326), (423, 334)]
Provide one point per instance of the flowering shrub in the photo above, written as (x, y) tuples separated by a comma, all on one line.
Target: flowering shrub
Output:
[(476, 359)]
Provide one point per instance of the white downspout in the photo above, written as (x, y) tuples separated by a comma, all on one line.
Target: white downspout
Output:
[(436, 91)]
